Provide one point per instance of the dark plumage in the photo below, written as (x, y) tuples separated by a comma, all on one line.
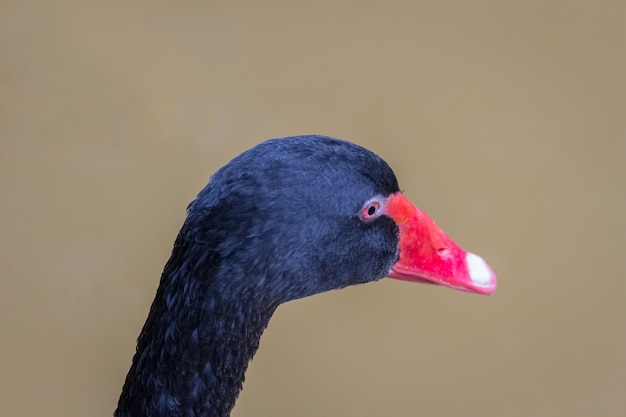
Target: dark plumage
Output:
[(284, 220)]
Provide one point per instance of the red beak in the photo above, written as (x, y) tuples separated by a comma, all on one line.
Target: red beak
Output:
[(428, 255)]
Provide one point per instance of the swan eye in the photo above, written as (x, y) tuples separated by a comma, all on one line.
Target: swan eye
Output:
[(370, 211)]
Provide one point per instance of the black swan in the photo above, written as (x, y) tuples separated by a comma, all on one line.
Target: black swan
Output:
[(286, 219)]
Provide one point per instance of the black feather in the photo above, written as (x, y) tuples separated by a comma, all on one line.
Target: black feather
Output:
[(279, 222)]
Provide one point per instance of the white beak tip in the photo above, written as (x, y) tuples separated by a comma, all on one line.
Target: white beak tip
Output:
[(480, 273)]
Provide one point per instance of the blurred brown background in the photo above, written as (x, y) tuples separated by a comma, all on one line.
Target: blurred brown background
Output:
[(506, 121)]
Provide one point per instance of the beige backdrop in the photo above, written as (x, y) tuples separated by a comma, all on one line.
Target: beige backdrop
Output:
[(506, 121)]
